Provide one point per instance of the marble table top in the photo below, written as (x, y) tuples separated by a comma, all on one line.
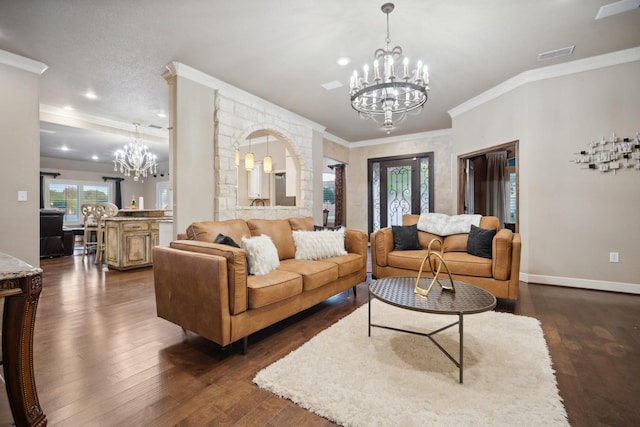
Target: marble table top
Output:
[(14, 268)]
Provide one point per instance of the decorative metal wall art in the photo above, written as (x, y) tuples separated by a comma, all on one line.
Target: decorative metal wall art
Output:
[(611, 155)]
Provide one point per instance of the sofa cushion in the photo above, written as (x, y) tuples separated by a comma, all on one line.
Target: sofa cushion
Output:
[(273, 287), (456, 242), (467, 265), (314, 273), (262, 254), (405, 237), (280, 232), (319, 244), (207, 231), (303, 224), (347, 264), (409, 260), (479, 242)]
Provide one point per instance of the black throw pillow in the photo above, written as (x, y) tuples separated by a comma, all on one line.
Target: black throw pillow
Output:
[(405, 237), (226, 240), (480, 241)]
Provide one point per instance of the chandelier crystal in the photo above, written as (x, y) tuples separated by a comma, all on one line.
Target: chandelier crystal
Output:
[(136, 158), (394, 90)]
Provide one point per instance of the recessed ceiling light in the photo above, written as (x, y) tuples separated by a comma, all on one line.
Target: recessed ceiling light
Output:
[(68, 107), (94, 157), (163, 115), (343, 60), (90, 95), (64, 148)]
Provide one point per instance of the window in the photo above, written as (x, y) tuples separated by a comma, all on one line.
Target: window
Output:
[(164, 197), (69, 196)]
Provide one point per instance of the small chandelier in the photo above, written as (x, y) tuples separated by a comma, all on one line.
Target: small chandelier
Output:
[(391, 94), (136, 158), (267, 162)]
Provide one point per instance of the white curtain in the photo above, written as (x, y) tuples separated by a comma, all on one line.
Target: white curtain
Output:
[(497, 186)]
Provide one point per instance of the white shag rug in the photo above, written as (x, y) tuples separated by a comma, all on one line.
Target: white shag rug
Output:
[(399, 379)]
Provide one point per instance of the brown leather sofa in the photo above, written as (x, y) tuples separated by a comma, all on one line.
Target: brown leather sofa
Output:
[(498, 275), (203, 286)]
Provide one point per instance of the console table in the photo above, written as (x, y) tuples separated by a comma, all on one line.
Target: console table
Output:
[(20, 286)]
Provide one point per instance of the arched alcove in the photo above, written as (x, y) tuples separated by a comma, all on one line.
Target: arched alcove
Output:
[(257, 186)]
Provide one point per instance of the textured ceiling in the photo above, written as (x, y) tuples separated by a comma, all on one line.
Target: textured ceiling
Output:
[(283, 51)]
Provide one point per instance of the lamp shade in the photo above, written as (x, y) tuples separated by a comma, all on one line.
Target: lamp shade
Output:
[(249, 161), (267, 164)]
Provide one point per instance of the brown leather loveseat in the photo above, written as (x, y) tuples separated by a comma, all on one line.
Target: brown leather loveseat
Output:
[(498, 273), (204, 287)]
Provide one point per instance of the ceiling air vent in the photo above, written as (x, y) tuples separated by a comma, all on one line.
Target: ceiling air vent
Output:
[(155, 126), (555, 53)]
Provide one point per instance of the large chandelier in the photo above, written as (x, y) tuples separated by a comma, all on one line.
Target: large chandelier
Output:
[(394, 90), (136, 158)]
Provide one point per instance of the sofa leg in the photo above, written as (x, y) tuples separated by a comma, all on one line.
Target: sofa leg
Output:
[(245, 344), (355, 294)]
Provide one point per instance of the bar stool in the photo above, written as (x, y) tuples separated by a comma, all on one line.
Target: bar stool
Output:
[(105, 210), (90, 222)]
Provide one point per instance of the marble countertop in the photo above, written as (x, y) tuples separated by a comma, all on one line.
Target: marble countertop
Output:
[(13, 268)]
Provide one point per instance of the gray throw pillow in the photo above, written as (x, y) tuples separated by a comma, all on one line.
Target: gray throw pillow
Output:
[(405, 237), (480, 242)]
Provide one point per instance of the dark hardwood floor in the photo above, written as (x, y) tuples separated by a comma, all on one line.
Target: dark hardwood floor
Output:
[(103, 358)]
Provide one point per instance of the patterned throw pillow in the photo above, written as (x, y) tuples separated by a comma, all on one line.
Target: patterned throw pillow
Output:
[(261, 253), (319, 244)]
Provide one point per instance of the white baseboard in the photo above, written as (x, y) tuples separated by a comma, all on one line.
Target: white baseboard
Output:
[(600, 285)]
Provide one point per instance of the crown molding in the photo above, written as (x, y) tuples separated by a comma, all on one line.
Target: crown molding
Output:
[(58, 115), (537, 74), (331, 137), (187, 72), (22, 63), (402, 138)]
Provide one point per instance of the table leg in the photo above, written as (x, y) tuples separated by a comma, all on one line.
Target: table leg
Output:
[(17, 354), (460, 330)]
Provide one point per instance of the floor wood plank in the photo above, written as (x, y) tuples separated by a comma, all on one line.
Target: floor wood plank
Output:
[(103, 358)]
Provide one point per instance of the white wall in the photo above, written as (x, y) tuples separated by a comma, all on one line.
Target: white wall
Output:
[(20, 154), (570, 218)]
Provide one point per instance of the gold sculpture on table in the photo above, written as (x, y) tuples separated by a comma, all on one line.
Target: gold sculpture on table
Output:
[(435, 272)]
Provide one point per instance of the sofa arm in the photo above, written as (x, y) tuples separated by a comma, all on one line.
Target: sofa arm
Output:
[(191, 291), (355, 241), (236, 269), (501, 252), (381, 245)]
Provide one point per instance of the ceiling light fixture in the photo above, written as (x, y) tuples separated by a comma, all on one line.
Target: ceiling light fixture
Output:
[(390, 96), (91, 95), (267, 162), (136, 158), (249, 158)]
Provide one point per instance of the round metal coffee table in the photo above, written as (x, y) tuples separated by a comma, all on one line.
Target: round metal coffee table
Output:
[(467, 299)]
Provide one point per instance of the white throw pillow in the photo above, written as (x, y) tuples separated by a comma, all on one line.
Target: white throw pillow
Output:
[(319, 244), (261, 253)]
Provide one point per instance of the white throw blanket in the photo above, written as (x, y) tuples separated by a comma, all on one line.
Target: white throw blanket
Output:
[(444, 225)]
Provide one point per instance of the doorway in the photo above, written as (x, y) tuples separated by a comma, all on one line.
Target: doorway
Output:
[(488, 183), (397, 186)]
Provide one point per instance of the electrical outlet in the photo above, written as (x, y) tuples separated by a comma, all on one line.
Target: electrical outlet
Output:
[(614, 257)]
